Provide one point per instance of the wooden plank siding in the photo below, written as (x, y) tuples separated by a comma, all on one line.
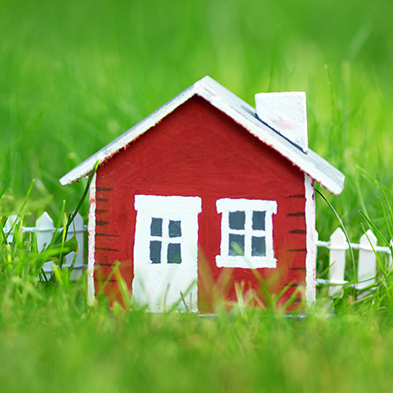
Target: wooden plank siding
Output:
[(199, 151)]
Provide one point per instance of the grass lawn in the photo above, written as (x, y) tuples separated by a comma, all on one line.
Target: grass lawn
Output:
[(74, 75)]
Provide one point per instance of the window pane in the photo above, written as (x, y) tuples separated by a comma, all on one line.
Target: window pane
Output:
[(174, 229), (174, 253), (155, 251), (258, 220), (156, 227), (236, 244), (236, 220), (258, 247)]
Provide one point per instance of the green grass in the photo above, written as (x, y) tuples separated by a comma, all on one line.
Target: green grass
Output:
[(65, 348), (76, 74)]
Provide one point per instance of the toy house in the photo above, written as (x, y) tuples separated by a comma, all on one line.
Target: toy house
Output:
[(204, 194)]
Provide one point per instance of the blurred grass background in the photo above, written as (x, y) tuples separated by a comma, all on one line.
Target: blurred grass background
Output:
[(74, 75)]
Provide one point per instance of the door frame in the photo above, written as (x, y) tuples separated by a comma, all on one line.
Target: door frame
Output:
[(163, 285)]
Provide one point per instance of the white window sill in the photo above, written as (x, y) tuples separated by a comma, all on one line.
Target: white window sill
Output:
[(245, 262)]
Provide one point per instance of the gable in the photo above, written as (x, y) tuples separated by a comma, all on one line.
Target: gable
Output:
[(196, 147)]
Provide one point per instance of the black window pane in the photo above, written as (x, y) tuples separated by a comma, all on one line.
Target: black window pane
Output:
[(236, 244), (156, 227), (174, 255), (258, 220), (155, 251), (236, 220), (174, 229), (258, 246)]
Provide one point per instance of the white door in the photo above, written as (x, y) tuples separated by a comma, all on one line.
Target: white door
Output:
[(166, 252)]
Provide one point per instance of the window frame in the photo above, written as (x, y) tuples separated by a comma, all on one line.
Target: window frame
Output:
[(246, 261)]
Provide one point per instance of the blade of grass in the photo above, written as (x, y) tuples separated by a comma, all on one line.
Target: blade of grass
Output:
[(6, 184), (343, 228), (375, 229), (115, 268), (390, 227), (375, 253), (76, 211)]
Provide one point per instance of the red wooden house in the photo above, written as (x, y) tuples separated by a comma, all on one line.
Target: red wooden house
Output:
[(204, 193)]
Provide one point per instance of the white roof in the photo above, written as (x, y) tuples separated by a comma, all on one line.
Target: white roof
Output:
[(242, 113)]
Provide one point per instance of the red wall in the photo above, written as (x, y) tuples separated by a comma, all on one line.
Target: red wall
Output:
[(199, 151)]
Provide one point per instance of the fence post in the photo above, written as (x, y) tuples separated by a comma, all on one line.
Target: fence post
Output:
[(367, 262), (76, 229), (338, 245), (45, 229), (10, 225)]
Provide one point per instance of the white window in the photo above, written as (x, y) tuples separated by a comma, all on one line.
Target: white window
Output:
[(246, 233)]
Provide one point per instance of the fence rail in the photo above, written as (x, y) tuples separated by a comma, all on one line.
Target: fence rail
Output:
[(44, 230)]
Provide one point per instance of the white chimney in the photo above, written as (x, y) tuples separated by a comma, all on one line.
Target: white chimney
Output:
[(286, 114)]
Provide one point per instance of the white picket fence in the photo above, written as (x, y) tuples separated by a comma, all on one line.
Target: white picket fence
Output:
[(338, 247), (367, 262), (44, 231)]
